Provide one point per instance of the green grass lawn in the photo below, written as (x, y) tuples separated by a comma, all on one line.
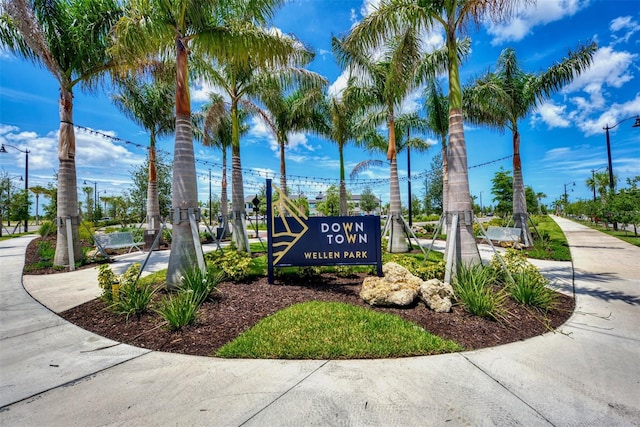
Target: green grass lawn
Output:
[(551, 244), (627, 236), (323, 330)]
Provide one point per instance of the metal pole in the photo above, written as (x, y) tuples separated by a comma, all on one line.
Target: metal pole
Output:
[(609, 159), (593, 179), (409, 180), (95, 201), (209, 196), (26, 189)]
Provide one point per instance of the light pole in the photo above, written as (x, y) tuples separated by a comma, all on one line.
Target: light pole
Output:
[(481, 209), (95, 196), (26, 179), (607, 128), (566, 200)]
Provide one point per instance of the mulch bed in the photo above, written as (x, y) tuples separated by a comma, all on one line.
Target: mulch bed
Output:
[(235, 307)]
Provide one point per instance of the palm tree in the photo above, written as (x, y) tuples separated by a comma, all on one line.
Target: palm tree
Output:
[(437, 109), (240, 81), (205, 31), (290, 109), (38, 190), (540, 195), (70, 39), (599, 183), (500, 99), (339, 113), (148, 104), (384, 83), (215, 121), (392, 17)]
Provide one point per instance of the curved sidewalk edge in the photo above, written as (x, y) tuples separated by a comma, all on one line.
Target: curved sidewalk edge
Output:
[(586, 374)]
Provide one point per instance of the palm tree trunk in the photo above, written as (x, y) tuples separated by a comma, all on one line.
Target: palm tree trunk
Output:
[(283, 170), (153, 203), (67, 206), (459, 200), (239, 235), (520, 214), (344, 207), (224, 198), (445, 181), (397, 242), (184, 186)]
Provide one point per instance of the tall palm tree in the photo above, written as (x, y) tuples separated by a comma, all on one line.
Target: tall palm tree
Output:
[(384, 83), (241, 83), (148, 103), (437, 110), (501, 98), (38, 190), (205, 31), (290, 109), (70, 39), (339, 114), (599, 183), (216, 131), (454, 16)]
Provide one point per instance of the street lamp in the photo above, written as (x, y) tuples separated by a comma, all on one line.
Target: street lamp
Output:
[(566, 200), (95, 196), (593, 179), (481, 208), (26, 178), (607, 128)]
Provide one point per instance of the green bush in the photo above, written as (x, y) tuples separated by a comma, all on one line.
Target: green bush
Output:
[(47, 228), (473, 289), (179, 310), (234, 264), (515, 262), (106, 280), (430, 270)]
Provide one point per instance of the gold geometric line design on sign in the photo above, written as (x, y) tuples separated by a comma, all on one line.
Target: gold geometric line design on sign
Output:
[(285, 206)]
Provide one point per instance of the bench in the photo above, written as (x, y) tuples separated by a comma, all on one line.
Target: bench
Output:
[(118, 240), (503, 234)]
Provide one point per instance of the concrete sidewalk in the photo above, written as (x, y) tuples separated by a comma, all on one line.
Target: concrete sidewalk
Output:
[(53, 373)]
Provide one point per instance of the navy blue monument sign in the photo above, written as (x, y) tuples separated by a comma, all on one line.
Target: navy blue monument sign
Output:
[(295, 240)]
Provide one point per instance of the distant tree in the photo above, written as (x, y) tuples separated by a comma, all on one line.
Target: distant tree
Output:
[(88, 192), (38, 190), (434, 187), (139, 193), (368, 201), (502, 191), (331, 204)]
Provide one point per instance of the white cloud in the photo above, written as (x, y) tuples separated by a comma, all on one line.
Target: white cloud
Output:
[(613, 115), (552, 115), (541, 13), (609, 68), (623, 23)]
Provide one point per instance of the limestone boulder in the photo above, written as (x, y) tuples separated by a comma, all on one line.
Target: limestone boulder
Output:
[(437, 295), (397, 287)]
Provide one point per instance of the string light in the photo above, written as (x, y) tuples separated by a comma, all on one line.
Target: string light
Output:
[(292, 180)]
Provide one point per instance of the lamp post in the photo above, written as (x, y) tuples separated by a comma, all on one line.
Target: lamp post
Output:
[(26, 179), (607, 128), (593, 179), (566, 199), (481, 209), (95, 196)]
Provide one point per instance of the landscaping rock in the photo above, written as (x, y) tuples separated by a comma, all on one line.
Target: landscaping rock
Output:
[(398, 287), (437, 295)]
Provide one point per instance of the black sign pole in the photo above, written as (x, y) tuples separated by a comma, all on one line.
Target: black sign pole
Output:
[(269, 235), (379, 249)]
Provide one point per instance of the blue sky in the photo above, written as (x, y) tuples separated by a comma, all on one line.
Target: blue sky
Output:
[(561, 142)]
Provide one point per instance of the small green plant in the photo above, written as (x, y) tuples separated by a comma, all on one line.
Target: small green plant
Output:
[(179, 310), (528, 290), (515, 262), (473, 289), (234, 264), (128, 297), (46, 251), (106, 280), (200, 283), (47, 228)]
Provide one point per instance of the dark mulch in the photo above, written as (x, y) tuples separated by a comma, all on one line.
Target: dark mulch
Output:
[(235, 307)]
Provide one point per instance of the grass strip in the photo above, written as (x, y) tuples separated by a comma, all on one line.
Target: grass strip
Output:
[(331, 330)]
